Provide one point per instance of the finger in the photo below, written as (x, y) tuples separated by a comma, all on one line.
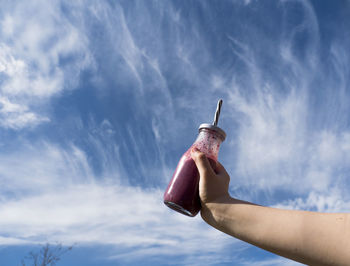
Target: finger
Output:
[(220, 169), (202, 162)]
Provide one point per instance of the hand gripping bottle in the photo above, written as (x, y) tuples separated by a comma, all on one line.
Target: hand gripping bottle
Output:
[(182, 193)]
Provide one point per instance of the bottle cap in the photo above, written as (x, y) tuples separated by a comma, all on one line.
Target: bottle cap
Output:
[(218, 130)]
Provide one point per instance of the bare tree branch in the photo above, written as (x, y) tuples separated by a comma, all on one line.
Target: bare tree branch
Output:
[(48, 255)]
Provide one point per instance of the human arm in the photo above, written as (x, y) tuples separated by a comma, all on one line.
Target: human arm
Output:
[(308, 237)]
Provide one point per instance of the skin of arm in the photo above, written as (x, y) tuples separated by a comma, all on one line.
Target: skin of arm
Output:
[(311, 238)]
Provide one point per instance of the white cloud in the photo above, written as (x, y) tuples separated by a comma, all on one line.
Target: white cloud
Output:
[(16, 116), (50, 194), (103, 214), (12, 241), (276, 148), (35, 37), (42, 167), (335, 200), (271, 262), (290, 135)]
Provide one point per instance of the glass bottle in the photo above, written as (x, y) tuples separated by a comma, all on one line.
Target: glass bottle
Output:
[(182, 193)]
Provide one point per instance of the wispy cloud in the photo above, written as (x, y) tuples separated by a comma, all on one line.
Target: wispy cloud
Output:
[(291, 133), (335, 200), (36, 40), (56, 200), (271, 262)]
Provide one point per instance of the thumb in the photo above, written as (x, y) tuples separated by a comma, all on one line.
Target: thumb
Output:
[(202, 162)]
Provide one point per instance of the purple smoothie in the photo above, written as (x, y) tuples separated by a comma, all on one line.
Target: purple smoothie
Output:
[(182, 194)]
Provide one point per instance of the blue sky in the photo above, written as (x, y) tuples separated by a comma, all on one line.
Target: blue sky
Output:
[(99, 99)]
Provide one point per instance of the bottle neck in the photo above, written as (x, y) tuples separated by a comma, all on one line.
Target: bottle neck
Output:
[(208, 142)]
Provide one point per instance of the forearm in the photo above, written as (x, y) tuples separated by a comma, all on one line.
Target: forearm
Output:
[(308, 237)]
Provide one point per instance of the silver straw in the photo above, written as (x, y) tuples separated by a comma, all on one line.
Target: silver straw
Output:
[(217, 113)]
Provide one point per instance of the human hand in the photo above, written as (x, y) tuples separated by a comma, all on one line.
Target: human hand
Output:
[(213, 184)]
